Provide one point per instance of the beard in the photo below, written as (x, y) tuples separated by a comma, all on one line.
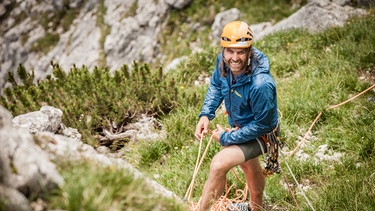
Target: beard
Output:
[(236, 66)]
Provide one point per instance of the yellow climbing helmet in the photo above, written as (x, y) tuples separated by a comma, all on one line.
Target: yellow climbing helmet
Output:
[(236, 34)]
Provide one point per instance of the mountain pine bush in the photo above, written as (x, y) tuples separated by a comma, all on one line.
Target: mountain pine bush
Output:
[(94, 100)]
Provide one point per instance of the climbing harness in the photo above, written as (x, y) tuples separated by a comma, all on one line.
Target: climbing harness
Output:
[(273, 145)]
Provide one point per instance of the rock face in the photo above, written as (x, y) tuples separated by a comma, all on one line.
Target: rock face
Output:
[(25, 168), (129, 32), (134, 37), (114, 32)]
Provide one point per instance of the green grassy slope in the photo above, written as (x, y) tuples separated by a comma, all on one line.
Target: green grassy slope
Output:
[(312, 73)]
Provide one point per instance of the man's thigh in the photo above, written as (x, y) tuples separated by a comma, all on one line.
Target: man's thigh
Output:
[(229, 157), (252, 149)]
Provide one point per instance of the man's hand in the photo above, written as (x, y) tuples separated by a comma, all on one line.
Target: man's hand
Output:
[(202, 127), (216, 133)]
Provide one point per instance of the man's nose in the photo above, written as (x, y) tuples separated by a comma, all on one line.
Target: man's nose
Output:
[(235, 56)]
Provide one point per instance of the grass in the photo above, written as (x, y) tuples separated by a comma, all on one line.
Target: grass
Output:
[(312, 72), (95, 187)]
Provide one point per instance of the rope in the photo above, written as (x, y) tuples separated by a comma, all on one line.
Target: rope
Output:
[(318, 116), (352, 98), (189, 190), (197, 166), (303, 140), (290, 190), (304, 137)]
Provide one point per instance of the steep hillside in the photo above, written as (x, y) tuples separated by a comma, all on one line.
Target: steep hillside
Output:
[(314, 70)]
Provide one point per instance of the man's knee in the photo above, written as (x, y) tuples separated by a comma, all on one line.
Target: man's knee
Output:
[(244, 167), (218, 167), (256, 192)]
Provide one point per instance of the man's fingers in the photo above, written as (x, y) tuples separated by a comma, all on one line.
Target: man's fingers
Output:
[(201, 134)]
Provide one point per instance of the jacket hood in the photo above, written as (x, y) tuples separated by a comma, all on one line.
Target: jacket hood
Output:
[(260, 65)]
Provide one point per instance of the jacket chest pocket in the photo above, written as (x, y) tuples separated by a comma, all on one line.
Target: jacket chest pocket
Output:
[(240, 102)]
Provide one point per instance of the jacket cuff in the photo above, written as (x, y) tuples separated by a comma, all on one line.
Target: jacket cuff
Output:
[(222, 139), (210, 117)]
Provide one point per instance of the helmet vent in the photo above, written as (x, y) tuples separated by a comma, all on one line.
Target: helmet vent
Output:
[(243, 39), (225, 39)]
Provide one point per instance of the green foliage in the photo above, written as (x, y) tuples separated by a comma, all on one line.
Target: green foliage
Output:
[(46, 43), (312, 72), (152, 152), (89, 186), (355, 184), (198, 64), (92, 101)]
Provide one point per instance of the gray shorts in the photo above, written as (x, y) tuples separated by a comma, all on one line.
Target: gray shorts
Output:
[(252, 149)]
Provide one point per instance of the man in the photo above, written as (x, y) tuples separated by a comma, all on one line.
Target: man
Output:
[(242, 79)]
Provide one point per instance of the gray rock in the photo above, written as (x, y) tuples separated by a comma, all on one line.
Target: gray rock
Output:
[(62, 148), (79, 45), (316, 16), (11, 199), (25, 166), (134, 37), (221, 19), (179, 4), (47, 118), (71, 132), (5, 118)]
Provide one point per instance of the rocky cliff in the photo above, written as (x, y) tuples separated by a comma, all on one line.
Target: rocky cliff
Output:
[(113, 32)]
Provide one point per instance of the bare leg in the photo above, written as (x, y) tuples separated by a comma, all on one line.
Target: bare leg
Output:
[(223, 161), (255, 182)]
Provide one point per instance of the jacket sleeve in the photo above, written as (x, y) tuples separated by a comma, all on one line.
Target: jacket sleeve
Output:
[(213, 97)]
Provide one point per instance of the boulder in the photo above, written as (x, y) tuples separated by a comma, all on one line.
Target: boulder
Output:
[(178, 4), (11, 199), (316, 16), (25, 166), (5, 117), (221, 19), (47, 118)]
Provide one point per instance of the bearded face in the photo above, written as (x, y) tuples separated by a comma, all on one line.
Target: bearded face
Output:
[(236, 59)]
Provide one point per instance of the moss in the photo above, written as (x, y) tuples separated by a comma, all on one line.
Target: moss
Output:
[(104, 30), (46, 43), (132, 10)]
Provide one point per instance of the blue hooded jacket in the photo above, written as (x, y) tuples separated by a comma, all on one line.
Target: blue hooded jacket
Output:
[(251, 102)]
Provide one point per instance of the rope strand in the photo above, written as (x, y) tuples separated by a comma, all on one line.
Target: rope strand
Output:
[(317, 117), (190, 190)]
